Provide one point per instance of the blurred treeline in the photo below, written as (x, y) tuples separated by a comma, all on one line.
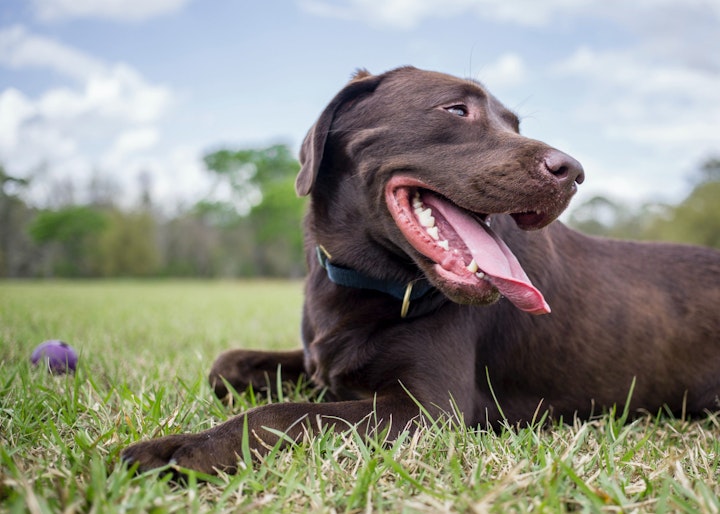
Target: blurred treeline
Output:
[(255, 229), (695, 220)]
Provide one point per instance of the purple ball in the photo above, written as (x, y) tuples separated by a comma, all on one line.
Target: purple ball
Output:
[(58, 356)]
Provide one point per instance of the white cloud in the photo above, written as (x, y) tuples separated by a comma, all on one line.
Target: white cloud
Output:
[(130, 142), (107, 113), (119, 10), (20, 49), (628, 69), (123, 94), (406, 14), (108, 102), (116, 91), (26, 140), (637, 99), (112, 91), (508, 70), (657, 119), (16, 108)]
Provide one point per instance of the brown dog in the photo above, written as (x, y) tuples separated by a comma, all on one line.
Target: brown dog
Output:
[(412, 297)]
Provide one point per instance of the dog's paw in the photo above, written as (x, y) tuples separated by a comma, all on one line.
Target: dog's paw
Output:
[(178, 453), (242, 369)]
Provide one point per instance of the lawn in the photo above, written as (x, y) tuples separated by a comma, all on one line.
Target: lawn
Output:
[(145, 349)]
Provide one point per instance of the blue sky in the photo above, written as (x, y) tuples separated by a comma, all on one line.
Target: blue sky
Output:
[(114, 88)]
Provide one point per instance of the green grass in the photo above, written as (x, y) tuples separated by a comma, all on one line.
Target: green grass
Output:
[(145, 350)]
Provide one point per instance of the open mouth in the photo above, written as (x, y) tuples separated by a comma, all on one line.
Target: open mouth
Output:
[(467, 255)]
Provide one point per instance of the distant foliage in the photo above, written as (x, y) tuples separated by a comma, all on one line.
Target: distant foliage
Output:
[(262, 204), (695, 220), (70, 237), (70, 225), (128, 245), (18, 252), (248, 224)]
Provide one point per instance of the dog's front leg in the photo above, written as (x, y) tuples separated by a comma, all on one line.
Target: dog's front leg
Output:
[(221, 447), (257, 369)]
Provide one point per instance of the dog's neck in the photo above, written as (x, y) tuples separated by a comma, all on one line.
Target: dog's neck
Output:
[(418, 292)]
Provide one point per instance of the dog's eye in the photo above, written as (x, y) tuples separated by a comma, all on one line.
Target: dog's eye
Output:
[(458, 110)]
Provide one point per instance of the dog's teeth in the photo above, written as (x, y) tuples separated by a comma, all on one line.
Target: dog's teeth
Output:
[(426, 218), (444, 244), (472, 267), (480, 275), (433, 231), (416, 202), (427, 221)]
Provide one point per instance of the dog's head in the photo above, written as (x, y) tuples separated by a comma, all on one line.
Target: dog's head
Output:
[(420, 162)]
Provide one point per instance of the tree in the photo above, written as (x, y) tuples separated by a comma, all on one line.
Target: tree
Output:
[(710, 171), (74, 232), (262, 202), (602, 216), (696, 220), (17, 255), (127, 246)]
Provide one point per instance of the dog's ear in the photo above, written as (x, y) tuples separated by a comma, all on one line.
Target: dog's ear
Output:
[(313, 147)]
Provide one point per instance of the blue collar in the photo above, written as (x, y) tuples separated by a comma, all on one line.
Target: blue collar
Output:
[(347, 277)]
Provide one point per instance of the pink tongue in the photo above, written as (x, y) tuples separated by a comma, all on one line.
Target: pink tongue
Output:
[(494, 258)]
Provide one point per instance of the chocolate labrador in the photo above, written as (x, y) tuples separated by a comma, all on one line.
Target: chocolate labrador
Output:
[(439, 283)]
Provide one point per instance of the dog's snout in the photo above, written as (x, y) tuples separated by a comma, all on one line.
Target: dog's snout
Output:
[(563, 167)]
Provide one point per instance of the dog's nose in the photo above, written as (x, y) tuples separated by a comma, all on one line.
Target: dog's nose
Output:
[(563, 167)]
